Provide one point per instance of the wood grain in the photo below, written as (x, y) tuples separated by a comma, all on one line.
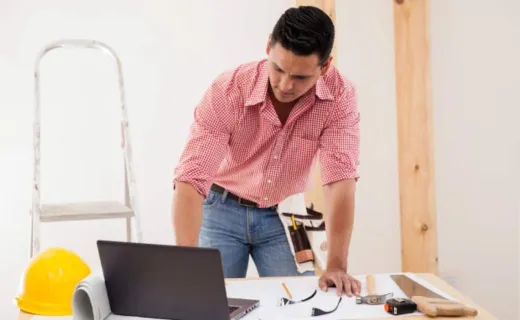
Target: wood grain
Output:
[(415, 142), (371, 285)]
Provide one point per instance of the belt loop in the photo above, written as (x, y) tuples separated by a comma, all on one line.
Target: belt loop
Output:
[(224, 196)]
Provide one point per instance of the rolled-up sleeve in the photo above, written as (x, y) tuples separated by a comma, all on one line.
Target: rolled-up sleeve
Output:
[(339, 142), (208, 139)]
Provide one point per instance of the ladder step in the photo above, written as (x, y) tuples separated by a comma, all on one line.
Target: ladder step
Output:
[(84, 211)]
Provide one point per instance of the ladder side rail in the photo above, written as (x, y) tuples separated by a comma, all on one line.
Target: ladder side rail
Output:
[(130, 183)]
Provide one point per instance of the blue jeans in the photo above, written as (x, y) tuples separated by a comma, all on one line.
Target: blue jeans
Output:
[(239, 231)]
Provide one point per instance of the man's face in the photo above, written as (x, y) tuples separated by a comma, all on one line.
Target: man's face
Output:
[(291, 76)]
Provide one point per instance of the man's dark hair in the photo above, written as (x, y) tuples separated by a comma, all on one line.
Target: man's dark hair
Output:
[(305, 30)]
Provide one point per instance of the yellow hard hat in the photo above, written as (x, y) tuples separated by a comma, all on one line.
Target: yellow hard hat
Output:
[(49, 282)]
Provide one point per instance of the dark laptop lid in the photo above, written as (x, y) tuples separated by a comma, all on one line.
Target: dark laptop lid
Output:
[(163, 282)]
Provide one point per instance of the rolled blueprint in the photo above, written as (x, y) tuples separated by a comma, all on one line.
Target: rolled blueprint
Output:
[(90, 301)]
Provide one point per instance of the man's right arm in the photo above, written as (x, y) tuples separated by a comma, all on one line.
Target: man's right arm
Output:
[(187, 214), (204, 151)]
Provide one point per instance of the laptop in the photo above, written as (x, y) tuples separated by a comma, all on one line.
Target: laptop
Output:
[(167, 282)]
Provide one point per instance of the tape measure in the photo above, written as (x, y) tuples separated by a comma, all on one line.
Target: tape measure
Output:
[(397, 306)]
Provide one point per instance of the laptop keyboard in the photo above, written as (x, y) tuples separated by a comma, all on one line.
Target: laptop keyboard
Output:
[(232, 309)]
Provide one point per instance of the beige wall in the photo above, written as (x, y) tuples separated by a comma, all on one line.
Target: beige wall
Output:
[(475, 69)]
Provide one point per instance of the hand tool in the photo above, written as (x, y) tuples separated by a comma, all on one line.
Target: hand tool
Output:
[(398, 306), (430, 303), (373, 297), (435, 307), (412, 288)]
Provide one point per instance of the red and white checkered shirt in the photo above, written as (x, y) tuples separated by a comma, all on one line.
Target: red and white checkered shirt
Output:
[(238, 142)]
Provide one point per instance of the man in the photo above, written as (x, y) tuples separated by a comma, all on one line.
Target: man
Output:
[(252, 143)]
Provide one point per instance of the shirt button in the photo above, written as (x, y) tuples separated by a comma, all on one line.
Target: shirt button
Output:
[(265, 198), (275, 156), (269, 181)]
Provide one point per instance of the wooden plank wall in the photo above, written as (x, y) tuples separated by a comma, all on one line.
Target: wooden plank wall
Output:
[(415, 136)]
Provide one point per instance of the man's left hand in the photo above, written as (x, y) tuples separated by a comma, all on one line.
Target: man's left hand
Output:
[(341, 280)]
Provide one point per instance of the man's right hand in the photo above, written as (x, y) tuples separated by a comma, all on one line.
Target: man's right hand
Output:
[(187, 214)]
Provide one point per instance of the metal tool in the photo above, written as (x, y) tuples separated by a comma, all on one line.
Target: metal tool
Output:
[(429, 302), (373, 297), (412, 288), (87, 210)]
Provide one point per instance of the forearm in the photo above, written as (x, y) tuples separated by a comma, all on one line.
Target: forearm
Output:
[(187, 214), (339, 220)]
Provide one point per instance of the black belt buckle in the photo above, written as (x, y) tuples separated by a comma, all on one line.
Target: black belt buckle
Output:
[(248, 205)]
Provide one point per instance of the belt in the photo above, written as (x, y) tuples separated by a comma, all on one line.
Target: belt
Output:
[(241, 201)]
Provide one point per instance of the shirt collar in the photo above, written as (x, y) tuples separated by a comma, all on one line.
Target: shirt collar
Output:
[(259, 92), (322, 90)]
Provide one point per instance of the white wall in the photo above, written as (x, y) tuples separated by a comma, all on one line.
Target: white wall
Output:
[(366, 56), (161, 46), (476, 76)]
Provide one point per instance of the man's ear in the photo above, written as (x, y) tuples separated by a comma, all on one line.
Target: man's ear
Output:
[(326, 65), (268, 47)]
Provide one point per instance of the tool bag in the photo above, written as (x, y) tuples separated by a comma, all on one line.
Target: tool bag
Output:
[(306, 234)]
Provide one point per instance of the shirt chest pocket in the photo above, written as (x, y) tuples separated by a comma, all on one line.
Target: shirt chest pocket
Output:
[(306, 131), (301, 151)]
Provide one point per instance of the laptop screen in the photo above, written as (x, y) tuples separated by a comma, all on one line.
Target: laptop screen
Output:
[(163, 282)]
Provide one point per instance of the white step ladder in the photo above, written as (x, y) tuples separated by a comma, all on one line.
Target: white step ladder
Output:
[(87, 210)]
